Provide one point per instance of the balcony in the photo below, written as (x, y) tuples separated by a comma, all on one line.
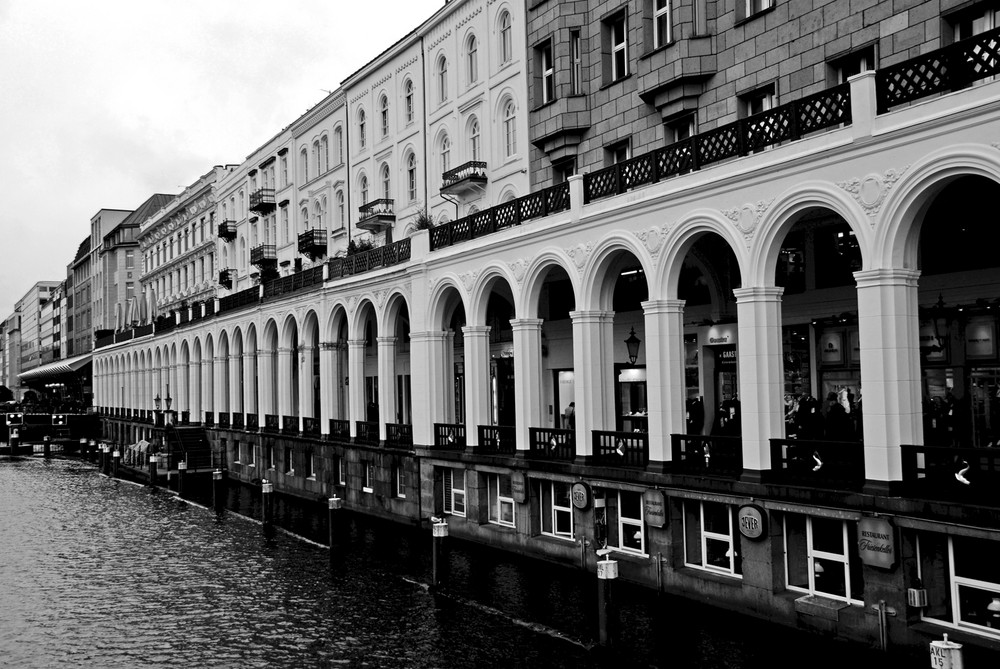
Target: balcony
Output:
[(227, 230), (449, 436), (698, 455), (262, 200), (377, 215), (398, 435), (367, 432), (340, 429), (263, 256), (497, 440), (466, 178), (366, 261), (226, 278), (966, 476), (552, 444), (834, 465), (313, 243), (621, 449)]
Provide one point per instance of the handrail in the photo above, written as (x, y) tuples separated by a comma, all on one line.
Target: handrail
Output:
[(383, 256)]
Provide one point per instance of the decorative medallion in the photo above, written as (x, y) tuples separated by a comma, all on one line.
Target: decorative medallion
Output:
[(469, 279), (519, 268), (747, 217), (653, 238), (871, 191), (580, 254)]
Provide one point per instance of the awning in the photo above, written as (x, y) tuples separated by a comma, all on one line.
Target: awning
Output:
[(67, 366)]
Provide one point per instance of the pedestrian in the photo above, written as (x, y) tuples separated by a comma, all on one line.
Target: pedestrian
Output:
[(569, 417)]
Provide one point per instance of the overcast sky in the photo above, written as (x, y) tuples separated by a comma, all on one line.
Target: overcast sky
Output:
[(105, 102)]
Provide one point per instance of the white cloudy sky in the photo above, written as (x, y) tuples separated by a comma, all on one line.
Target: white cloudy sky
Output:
[(105, 102)]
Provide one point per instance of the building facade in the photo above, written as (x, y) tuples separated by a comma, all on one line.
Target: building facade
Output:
[(757, 363)]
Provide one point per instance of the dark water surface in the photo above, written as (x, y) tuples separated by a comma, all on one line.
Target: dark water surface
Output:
[(97, 572)]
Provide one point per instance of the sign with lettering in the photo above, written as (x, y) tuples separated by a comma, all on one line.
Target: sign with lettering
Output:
[(752, 521), (581, 495), (654, 508), (519, 487), (980, 340), (721, 335), (831, 348), (725, 358), (877, 542)]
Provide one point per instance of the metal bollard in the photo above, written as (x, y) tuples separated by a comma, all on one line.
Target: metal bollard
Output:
[(218, 490), (181, 474), (333, 504), (439, 530), (101, 450), (267, 503), (91, 450), (153, 459), (946, 654), (116, 459), (106, 468), (47, 446), (607, 571)]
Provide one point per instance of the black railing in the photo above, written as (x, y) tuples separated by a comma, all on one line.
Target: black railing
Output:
[(961, 475), (497, 440), (253, 422), (818, 464), (366, 432), (307, 278), (289, 424), (226, 278), (262, 200), (784, 123), (449, 436), (238, 300), (185, 417), (621, 449), (310, 426), (485, 222), (238, 422), (227, 230), (340, 429), (398, 435), (942, 70), (380, 210), (209, 419), (271, 423), (706, 455), (552, 444), (106, 340), (263, 254), (473, 171), (383, 256), (313, 242), (223, 419)]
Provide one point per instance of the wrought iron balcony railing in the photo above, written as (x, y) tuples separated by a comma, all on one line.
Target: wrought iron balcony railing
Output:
[(552, 444), (227, 230), (366, 261), (702, 455), (226, 278), (262, 200), (449, 436), (466, 176), (263, 255), (838, 465), (313, 243), (376, 215), (621, 449), (497, 440)]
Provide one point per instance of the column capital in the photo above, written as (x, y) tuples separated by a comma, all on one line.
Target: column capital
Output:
[(356, 343), (284, 351), (526, 323), (663, 306), (890, 276), (592, 316), (328, 346), (386, 341), (758, 294), (476, 330), (430, 335)]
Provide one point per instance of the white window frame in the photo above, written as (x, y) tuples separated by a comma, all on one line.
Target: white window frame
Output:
[(474, 139), (311, 466), (453, 495), (411, 177), (290, 462), (368, 472), (506, 42), (955, 601), (472, 59), (341, 472), (361, 129), (828, 559), (408, 100), (576, 63), (386, 178), (619, 47), (509, 129), (731, 539), (498, 503), (400, 482), (442, 77), (363, 189), (635, 524), (445, 154), (663, 30), (554, 511), (270, 455), (548, 71), (384, 112), (752, 7)]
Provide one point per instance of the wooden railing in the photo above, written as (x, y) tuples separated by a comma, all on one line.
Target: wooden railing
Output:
[(366, 432), (547, 443), (449, 436), (706, 455), (962, 475), (398, 435), (497, 440), (818, 464), (621, 449)]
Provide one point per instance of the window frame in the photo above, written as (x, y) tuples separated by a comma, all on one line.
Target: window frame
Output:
[(506, 24), (546, 72), (498, 502), (624, 522), (450, 493), (509, 128), (384, 115), (368, 474), (475, 149), (662, 23), (954, 583), (732, 539), (550, 512), (411, 176), (399, 481), (472, 60), (576, 62), (408, 100), (442, 79), (362, 120), (813, 554), (612, 24)]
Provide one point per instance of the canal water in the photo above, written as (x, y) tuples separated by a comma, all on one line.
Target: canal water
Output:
[(98, 572)]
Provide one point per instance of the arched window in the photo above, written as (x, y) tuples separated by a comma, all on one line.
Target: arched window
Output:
[(385, 182), (338, 141), (243, 204), (509, 129), (305, 217), (232, 207), (472, 59), (304, 163), (225, 215), (384, 112), (506, 45), (445, 154), (408, 97), (363, 185), (243, 253), (316, 158), (317, 215), (474, 138), (411, 177), (443, 78), (324, 144), (340, 209), (361, 129)]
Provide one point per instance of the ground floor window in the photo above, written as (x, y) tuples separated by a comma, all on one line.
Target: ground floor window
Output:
[(368, 471), (399, 481), (453, 491), (339, 475), (619, 520), (962, 581), (821, 557), (310, 465), (710, 541), (556, 508), (269, 456), (289, 468), (501, 499)]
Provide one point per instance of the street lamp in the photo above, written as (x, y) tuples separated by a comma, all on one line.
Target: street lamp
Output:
[(633, 346), (169, 399), (157, 401)]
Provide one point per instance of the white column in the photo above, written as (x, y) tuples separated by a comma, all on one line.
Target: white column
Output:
[(430, 373), (593, 376), (285, 362), (527, 378), (219, 377), (761, 382), (249, 363), (207, 387), (265, 385), (356, 376), (888, 331), (665, 385), (477, 380), (327, 379), (194, 391), (386, 383), (305, 362), (235, 392)]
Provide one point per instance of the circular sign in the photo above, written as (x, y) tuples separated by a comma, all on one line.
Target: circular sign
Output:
[(752, 521), (581, 495)]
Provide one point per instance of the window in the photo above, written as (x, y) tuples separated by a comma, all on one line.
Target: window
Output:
[(619, 521), (442, 76), (751, 7), (361, 129), (453, 491), (289, 469), (841, 69), (556, 507), (445, 154), (474, 138), (509, 129), (679, 130), (368, 471), (506, 42), (562, 171), (386, 193), (269, 456), (615, 51), (310, 465), (547, 74), (339, 475), (821, 557), (303, 164), (363, 185), (756, 102), (129, 259), (709, 539), (411, 177), (384, 115), (316, 158), (317, 215), (324, 147), (338, 140), (662, 33), (284, 175), (284, 224), (408, 100), (700, 9), (616, 153), (399, 481), (501, 499), (977, 20), (576, 63), (340, 209), (129, 291), (961, 579), (472, 59)]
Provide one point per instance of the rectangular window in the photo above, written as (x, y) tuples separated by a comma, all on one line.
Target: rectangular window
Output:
[(751, 7), (709, 539), (821, 557), (453, 489), (631, 536), (129, 290), (251, 455), (561, 172), (310, 465), (269, 456), (556, 507), (368, 470), (616, 153), (757, 101), (680, 129), (339, 475), (289, 469), (547, 75), (980, 18), (615, 35), (129, 259), (399, 482), (962, 582), (662, 33), (840, 69), (501, 499), (576, 63)]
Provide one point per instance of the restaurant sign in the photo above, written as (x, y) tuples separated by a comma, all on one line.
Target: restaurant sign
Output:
[(877, 542)]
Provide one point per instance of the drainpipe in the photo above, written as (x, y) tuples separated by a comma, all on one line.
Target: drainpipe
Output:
[(347, 165), (423, 95)]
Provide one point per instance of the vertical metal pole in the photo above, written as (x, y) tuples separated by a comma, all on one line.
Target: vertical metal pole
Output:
[(152, 469), (47, 447), (218, 492), (333, 505), (439, 531), (181, 474), (607, 571), (116, 459), (267, 510)]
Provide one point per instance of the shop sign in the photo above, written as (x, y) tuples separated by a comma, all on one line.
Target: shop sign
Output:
[(752, 521), (980, 340), (877, 542), (722, 335), (726, 357), (519, 487), (581, 495), (653, 508), (831, 346)]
